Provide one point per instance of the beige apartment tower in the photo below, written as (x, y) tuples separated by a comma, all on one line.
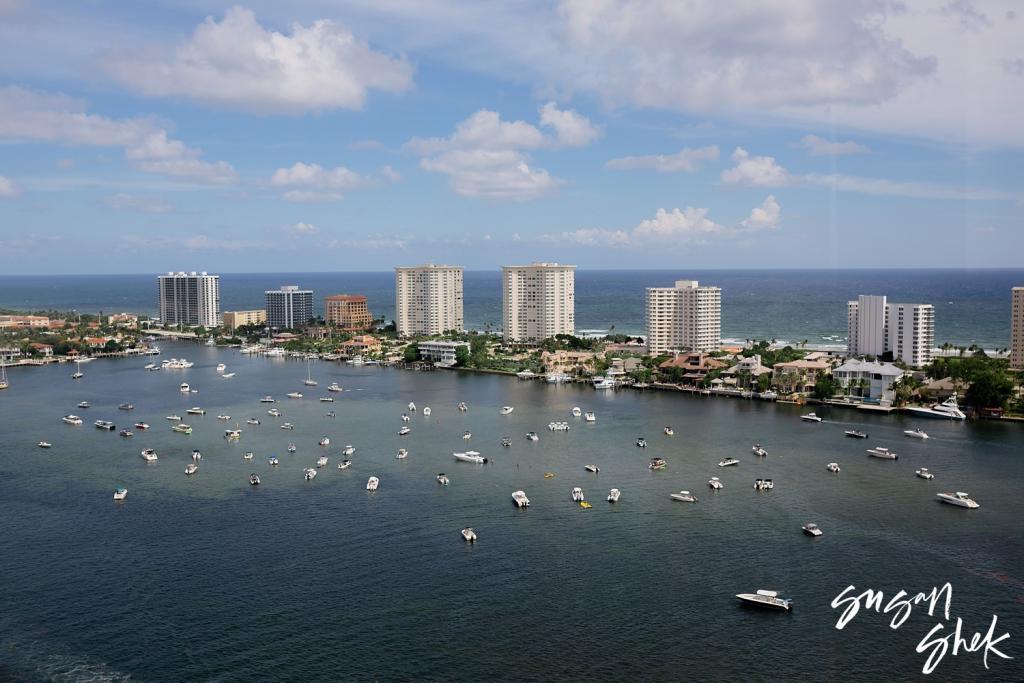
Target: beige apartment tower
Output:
[(1017, 329), (235, 319), (686, 317), (348, 311), (428, 299), (539, 301)]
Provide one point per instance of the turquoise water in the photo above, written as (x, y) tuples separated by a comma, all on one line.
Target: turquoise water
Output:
[(208, 578), (971, 306)]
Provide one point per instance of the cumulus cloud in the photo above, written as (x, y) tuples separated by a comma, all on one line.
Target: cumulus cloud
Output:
[(8, 189), (123, 201), (56, 118), (239, 64), (314, 183), (687, 159), (820, 147), (759, 171), (301, 228), (764, 217), (486, 156)]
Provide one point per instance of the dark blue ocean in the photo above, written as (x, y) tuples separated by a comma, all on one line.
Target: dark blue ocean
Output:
[(971, 306)]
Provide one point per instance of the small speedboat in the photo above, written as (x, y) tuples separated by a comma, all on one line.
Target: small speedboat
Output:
[(248, 455), (613, 495), (590, 417), (149, 455), (924, 473), (223, 417), (334, 387), (120, 493), (915, 433), (641, 442), (506, 442), (105, 424), (288, 426), (810, 417), (83, 404), (411, 407), (683, 496), (426, 411), (72, 419), (577, 495), (854, 434), (405, 417), (196, 410), (344, 464), (274, 412), (44, 444), (403, 431), (184, 388), (308, 473), (197, 456), (549, 475), (221, 367), (348, 450), (291, 448), (520, 499), (769, 599), (126, 433), (763, 484), (267, 399), (324, 442), (321, 461), (657, 464), (174, 418), (811, 529), (470, 456), (231, 434), (273, 461), (532, 436), (126, 406), (254, 479), (463, 407), (327, 399), (442, 479), (758, 451), (668, 431), (882, 452), (294, 394), (252, 421), (507, 410), (141, 425), (959, 499), (592, 468), (372, 483), (402, 454), (469, 535), (715, 483), (191, 468), (832, 467), (576, 412), (330, 413), (227, 375), (728, 461), (467, 435)]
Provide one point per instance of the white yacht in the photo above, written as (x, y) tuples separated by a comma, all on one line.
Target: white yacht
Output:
[(348, 450), (715, 483), (252, 421), (604, 383), (469, 535), (668, 431), (288, 425), (227, 375), (811, 529), (520, 499), (463, 407), (196, 410), (72, 419), (657, 464), (768, 599), (882, 452), (273, 461), (149, 455), (641, 442), (105, 424), (532, 436), (924, 473), (590, 417), (727, 462), (470, 456), (223, 417), (184, 388), (758, 451), (254, 479), (442, 479), (294, 394), (324, 442), (592, 468), (327, 399), (291, 448), (120, 493), (426, 411), (191, 468), (267, 399), (274, 412), (763, 484), (506, 442), (810, 417), (403, 431), (683, 496), (613, 495), (959, 498), (308, 473), (557, 378), (576, 412), (402, 454), (833, 467), (44, 444), (231, 434), (855, 434), (248, 455), (83, 404), (276, 353), (577, 495), (334, 387), (411, 407), (507, 410), (174, 418), (221, 367), (196, 455), (916, 433), (372, 483), (321, 461), (947, 410), (344, 464)]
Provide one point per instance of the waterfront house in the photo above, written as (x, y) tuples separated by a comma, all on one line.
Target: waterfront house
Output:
[(868, 379), (692, 368), (9, 353), (440, 352), (799, 376), (363, 343), (746, 371), (44, 350)]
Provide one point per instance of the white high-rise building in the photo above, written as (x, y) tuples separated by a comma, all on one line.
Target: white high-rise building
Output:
[(875, 327), (686, 317), (428, 299), (539, 301), (191, 299), (289, 307), (1017, 329)]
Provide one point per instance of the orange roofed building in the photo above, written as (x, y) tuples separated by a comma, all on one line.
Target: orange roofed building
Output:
[(347, 311)]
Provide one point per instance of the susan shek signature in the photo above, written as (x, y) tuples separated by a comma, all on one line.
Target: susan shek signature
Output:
[(938, 642)]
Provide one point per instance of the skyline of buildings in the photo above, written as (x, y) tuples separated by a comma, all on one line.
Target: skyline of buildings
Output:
[(876, 327), (191, 299), (1017, 328), (685, 316), (428, 299), (538, 301), (289, 307)]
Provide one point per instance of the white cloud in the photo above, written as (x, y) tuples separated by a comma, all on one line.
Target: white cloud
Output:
[(237, 63), (311, 197), (315, 183), (687, 159), (123, 201), (676, 223), (764, 217), (157, 154), (301, 228), (759, 171), (8, 190), (821, 147), (485, 156)]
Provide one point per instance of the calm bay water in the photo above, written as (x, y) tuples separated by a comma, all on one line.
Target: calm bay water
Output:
[(208, 578), (972, 307)]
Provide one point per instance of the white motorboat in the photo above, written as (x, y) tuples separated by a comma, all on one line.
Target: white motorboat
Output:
[(657, 464), (463, 407), (532, 436), (507, 410), (273, 461), (469, 535), (641, 442), (604, 383), (882, 452), (149, 455), (558, 426), (72, 419), (959, 499), (45, 444), (715, 483), (141, 425), (344, 464), (769, 395), (274, 412), (321, 461), (411, 407), (758, 451), (728, 461), (855, 434), (557, 377), (683, 496), (426, 411), (405, 417), (196, 455), (833, 467), (254, 479), (763, 484), (294, 394), (327, 399), (592, 468), (372, 483), (613, 495), (442, 479), (324, 442), (126, 406), (811, 529), (221, 367), (769, 599), (83, 404), (267, 399), (506, 442), (576, 412), (470, 456), (916, 433), (403, 431), (577, 495), (196, 410), (248, 455), (330, 413), (334, 387), (127, 433), (223, 417), (924, 473), (288, 425), (348, 450), (947, 410), (231, 434), (291, 448), (590, 417), (150, 366), (120, 493), (308, 474), (810, 417), (252, 421), (402, 454), (668, 431), (520, 499), (105, 424), (191, 468), (467, 435), (174, 418), (184, 388)]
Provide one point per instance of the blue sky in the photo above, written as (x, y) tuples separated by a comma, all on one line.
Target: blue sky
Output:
[(317, 135)]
